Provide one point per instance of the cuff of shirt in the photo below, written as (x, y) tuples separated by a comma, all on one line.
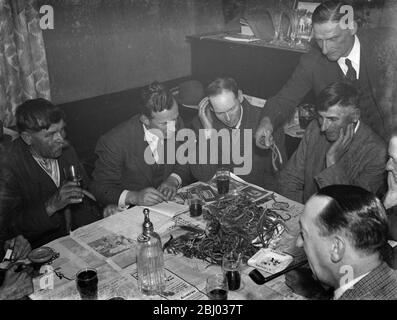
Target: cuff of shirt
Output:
[(122, 198), (178, 178)]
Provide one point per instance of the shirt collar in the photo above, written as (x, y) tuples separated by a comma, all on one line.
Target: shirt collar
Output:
[(151, 139), (354, 55), (237, 126), (342, 289)]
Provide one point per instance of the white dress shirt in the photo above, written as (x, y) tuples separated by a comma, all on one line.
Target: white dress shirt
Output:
[(354, 57), (51, 167)]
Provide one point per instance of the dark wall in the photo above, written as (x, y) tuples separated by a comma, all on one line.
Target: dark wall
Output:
[(104, 46)]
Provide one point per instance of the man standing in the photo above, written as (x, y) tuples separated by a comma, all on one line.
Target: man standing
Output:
[(133, 165), (367, 58), (339, 148), (342, 231), (36, 200)]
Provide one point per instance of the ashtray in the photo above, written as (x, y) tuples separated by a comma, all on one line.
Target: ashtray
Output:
[(41, 255), (270, 260)]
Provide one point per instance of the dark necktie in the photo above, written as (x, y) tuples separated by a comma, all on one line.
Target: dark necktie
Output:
[(351, 73)]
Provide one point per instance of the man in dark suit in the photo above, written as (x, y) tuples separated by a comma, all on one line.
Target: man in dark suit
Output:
[(225, 115), (343, 230), (367, 58), (36, 200), (134, 159)]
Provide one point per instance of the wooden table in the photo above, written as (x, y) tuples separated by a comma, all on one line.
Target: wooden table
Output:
[(109, 245)]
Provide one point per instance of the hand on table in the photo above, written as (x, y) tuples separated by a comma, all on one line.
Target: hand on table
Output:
[(340, 146), (20, 246), (16, 285), (264, 134), (169, 187), (145, 197), (110, 210)]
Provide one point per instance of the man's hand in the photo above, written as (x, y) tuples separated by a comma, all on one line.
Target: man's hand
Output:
[(110, 210), (391, 194), (145, 197), (169, 187), (16, 285), (67, 194), (205, 113), (264, 134), (340, 146), (20, 246)]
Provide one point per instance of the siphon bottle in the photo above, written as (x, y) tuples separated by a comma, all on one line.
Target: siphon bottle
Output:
[(150, 260)]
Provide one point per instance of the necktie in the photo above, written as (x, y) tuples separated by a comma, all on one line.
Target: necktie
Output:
[(351, 73)]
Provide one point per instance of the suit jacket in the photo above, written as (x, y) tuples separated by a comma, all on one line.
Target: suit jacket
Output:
[(261, 172), (121, 164), (315, 72), (363, 164), (379, 284), (24, 189)]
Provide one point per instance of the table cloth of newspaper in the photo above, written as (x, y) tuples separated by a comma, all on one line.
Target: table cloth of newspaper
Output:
[(109, 245)]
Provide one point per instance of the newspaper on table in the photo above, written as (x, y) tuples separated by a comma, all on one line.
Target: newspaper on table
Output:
[(109, 245), (58, 281)]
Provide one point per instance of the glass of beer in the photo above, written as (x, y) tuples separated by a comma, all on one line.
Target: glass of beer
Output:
[(87, 284), (74, 173), (307, 112), (217, 288), (195, 207), (231, 264), (223, 180)]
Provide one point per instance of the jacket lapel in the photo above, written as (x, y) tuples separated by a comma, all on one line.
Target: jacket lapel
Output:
[(141, 145)]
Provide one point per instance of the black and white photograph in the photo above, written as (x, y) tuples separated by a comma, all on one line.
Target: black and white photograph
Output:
[(154, 145)]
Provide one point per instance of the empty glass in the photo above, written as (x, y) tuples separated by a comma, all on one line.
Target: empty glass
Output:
[(217, 288)]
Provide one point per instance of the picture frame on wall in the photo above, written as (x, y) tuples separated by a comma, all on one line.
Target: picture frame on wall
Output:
[(305, 11)]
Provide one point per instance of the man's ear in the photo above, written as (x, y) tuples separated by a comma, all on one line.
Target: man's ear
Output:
[(144, 119), (355, 28), (356, 114), (240, 96), (338, 248), (26, 137)]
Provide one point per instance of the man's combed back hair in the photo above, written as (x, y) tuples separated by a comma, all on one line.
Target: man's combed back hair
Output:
[(356, 212), (37, 114), (329, 11), (218, 85), (156, 98), (341, 93)]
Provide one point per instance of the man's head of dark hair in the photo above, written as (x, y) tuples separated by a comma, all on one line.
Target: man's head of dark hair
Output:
[(37, 114), (343, 94), (156, 98), (218, 85), (329, 11), (357, 213)]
